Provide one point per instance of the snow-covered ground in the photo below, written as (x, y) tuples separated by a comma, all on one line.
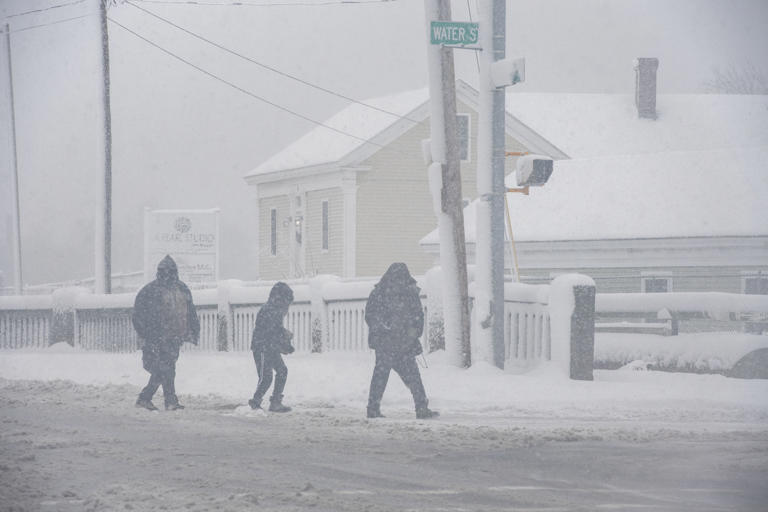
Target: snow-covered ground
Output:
[(479, 395), (72, 440)]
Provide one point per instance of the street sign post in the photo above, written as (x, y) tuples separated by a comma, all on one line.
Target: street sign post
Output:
[(453, 32)]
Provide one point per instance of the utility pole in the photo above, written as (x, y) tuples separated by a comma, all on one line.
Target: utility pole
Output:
[(445, 170), (488, 310), (18, 286), (103, 242)]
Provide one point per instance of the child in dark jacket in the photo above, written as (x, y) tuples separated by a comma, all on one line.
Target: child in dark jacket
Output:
[(269, 341)]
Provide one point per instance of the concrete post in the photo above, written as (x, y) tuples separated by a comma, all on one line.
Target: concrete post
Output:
[(225, 331), (572, 317), (63, 320)]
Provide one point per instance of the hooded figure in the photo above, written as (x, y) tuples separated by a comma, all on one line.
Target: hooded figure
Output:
[(269, 340), (164, 317), (395, 322)]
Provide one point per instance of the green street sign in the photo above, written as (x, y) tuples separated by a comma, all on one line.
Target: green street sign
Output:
[(453, 32)]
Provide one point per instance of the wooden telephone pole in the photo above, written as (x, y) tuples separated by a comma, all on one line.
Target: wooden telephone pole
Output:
[(444, 149), (103, 242)]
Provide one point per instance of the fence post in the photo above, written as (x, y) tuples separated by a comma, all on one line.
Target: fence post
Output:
[(435, 325), (63, 321), (225, 331), (572, 317), (319, 327)]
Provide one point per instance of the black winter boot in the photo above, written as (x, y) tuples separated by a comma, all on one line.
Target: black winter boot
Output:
[(276, 404), (424, 413), (146, 404), (374, 412), (255, 404)]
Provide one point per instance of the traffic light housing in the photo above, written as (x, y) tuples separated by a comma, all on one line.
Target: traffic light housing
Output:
[(533, 170)]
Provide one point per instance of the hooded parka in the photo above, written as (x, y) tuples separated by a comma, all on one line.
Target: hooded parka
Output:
[(268, 342), (395, 322), (164, 317)]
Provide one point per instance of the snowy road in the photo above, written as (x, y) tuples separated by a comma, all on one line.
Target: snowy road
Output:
[(62, 449)]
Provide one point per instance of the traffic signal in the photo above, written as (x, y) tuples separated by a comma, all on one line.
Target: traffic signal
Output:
[(533, 170)]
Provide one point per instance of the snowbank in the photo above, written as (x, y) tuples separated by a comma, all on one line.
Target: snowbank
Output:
[(700, 352), (480, 394)]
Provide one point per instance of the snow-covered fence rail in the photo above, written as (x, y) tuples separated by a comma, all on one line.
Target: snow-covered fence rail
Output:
[(543, 323), (527, 338), (327, 314), (347, 327), (669, 309), (25, 321), (344, 316), (105, 329)]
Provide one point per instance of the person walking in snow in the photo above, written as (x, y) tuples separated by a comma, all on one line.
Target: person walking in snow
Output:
[(395, 322), (269, 341), (164, 317)]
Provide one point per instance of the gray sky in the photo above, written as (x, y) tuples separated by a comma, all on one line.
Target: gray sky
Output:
[(183, 140)]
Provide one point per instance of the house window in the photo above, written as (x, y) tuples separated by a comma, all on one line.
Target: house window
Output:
[(656, 283), (754, 283), (464, 134), (325, 226), (273, 232)]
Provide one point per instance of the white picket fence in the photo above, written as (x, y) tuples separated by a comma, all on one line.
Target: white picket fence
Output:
[(329, 315), (326, 316)]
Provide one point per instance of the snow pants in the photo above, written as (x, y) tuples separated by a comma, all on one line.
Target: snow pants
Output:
[(267, 362), (405, 366), (159, 359)]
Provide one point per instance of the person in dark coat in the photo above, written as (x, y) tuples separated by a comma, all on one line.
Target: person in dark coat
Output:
[(269, 341), (164, 317), (395, 322)]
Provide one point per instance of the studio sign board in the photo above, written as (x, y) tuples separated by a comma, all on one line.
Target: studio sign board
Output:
[(190, 237)]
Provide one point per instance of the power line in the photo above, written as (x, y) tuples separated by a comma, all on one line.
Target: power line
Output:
[(270, 68), (271, 4), (51, 23), (35, 11), (244, 91)]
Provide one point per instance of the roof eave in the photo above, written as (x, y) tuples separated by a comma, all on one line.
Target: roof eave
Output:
[(295, 172)]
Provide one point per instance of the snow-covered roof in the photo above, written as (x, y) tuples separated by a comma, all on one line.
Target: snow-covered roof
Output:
[(579, 125), (322, 145), (660, 195), (589, 125)]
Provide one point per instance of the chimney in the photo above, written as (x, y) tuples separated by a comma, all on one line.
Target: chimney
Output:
[(645, 87)]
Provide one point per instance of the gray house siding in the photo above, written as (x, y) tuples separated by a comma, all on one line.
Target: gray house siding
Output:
[(318, 260)]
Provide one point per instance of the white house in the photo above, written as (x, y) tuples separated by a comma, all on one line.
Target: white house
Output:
[(333, 203), (672, 202), (350, 206)]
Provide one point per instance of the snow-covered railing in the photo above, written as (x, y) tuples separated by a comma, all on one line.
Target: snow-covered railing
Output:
[(668, 309), (25, 321), (327, 314), (541, 323), (527, 338)]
